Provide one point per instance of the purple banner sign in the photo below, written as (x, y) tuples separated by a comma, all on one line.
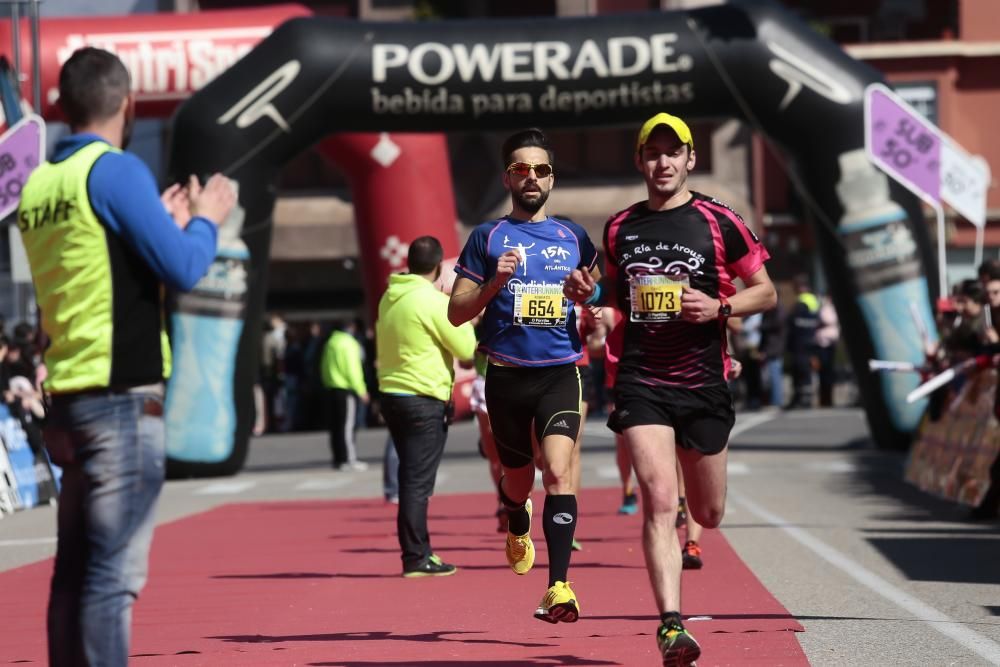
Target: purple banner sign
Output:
[(903, 143), (22, 148)]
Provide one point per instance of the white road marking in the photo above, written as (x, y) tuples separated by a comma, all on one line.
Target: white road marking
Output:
[(831, 466), (750, 421), (318, 484), (736, 468), (27, 542), (607, 472), (222, 488), (949, 627)]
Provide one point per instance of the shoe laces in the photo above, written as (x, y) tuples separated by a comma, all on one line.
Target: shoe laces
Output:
[(519, 545), (692, 549), (434, 558)]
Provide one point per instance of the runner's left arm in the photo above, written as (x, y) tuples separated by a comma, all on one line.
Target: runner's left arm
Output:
[(583, 284)]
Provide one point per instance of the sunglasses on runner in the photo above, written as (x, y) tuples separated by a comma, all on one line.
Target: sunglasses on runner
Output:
[(522, 169)]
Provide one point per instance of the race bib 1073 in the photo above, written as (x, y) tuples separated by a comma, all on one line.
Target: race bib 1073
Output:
[(656, 297)]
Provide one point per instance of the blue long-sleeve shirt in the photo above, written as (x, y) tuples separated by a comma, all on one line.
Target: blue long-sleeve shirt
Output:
[(126, 199)]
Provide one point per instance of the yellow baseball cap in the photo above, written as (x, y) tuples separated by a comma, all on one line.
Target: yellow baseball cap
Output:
[(679, 127)]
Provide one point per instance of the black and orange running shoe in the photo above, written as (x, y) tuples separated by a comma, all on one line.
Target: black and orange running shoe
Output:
[(691, 556)]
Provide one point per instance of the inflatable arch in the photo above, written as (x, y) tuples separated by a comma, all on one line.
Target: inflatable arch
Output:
[(316, 76)]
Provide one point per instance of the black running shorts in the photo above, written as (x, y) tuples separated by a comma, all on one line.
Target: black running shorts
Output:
[(586, 383), (520, 399), (701, 418)]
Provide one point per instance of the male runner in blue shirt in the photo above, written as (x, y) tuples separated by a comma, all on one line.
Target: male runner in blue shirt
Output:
[(515, 267)]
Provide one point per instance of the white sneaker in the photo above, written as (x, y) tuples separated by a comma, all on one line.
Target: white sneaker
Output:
[(353, 466)]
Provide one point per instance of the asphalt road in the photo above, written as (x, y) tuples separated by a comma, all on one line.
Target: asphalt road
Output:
[(877, 572)]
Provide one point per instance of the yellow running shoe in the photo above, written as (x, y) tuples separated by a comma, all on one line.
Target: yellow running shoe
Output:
[(520, 550), (558, 605)]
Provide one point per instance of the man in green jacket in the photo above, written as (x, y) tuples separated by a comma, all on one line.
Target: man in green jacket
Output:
[(342, 374), (416, 347)]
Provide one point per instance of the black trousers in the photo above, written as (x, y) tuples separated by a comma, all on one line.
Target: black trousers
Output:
[(419, 431), (343, 415)]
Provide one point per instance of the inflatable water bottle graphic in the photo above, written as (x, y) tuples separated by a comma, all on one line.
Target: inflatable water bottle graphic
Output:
[(884, 260), (206, 325)]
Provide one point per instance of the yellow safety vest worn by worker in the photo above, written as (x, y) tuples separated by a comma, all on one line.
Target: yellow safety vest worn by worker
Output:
[(101, 305)]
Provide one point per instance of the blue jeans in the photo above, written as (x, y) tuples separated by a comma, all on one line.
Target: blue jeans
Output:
[(774, 369), (390, 470), (111, 447), (418, 429)]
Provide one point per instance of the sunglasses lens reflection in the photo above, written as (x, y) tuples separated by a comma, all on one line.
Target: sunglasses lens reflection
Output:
[(522, 169)]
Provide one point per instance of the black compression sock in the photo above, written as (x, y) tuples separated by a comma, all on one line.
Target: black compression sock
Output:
[(671, 619), (559, 524), (518, 521)]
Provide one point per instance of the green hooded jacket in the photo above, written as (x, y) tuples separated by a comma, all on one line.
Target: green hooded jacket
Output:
[(416, 345)]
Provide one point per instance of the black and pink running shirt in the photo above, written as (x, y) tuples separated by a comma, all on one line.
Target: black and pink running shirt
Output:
[(703, 243)]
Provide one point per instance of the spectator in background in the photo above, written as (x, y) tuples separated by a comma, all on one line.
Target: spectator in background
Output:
[(4, 370), (803, 320), (368, 414), (990, 279), (21, 352), (313, 395), (750, 358), (272, 371), (417, 347), (596, 330), (772, 353), (827, 336), (969, 330), (989, 270), (343, 377), (295, 376)]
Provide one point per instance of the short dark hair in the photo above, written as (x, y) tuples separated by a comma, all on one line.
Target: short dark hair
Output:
[(970, 289), (529, 138), (92, 85), (425, 254), (990, 269)]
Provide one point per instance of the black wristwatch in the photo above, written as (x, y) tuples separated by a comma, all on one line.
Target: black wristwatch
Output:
[(725, 310)]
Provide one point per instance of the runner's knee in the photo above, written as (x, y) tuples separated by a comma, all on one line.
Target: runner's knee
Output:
[(660, 501), (708, 515)]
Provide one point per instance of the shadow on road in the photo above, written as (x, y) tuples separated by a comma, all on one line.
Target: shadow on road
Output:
[(962, 552)]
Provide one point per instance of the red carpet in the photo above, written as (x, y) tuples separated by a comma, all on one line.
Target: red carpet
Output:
[(317, 583)]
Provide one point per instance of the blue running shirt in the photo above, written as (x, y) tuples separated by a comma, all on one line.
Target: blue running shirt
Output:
[(528, 322)]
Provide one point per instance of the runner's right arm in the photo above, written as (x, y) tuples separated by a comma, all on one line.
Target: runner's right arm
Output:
[(469, 298)]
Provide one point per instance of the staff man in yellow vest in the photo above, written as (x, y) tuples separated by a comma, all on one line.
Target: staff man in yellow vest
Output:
[(416, 348), (102, 245)]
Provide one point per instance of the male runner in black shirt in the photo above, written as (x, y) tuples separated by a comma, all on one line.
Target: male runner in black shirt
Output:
[(671, 262)]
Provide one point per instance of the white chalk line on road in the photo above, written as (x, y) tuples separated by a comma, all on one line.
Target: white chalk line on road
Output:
[(222, 488), (750, 421), (317, 484), (970, 639), (27, 542)]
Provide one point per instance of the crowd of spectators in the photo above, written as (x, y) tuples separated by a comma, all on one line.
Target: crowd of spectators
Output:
[(291, 373), (968, 330), (21, 375)]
